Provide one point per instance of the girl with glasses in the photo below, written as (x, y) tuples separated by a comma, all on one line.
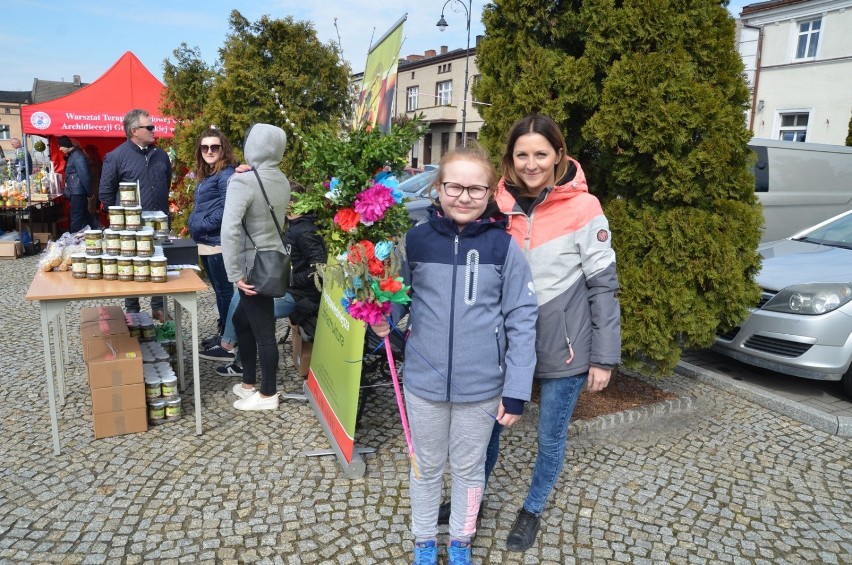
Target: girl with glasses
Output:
[(469, 357), (214, 165)]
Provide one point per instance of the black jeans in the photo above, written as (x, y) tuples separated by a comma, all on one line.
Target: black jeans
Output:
[(254, 322)]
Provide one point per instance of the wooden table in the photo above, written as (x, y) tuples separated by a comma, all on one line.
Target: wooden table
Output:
[(54, 290)]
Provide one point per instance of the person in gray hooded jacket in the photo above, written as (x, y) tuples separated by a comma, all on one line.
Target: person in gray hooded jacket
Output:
[(246, 210)]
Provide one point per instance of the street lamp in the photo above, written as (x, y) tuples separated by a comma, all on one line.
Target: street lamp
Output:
[(442, 25)]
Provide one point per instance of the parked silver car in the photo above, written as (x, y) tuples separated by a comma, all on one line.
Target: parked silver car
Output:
[(419, 193), (803, 323)]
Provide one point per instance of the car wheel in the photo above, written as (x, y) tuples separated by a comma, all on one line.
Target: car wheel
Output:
[(846, 381)]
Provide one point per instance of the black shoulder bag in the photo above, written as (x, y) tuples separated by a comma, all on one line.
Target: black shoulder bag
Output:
[(270, 272)]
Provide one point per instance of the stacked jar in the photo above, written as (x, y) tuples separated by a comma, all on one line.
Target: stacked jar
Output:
[(161, 393), (116, 218)]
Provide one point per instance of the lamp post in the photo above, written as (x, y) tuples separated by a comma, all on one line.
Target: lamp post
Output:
[(442, 25)]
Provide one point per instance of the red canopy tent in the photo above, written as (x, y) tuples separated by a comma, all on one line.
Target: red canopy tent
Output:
[(93, 115)]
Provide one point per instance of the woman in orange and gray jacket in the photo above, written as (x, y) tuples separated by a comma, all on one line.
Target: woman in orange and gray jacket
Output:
[(566, 239)]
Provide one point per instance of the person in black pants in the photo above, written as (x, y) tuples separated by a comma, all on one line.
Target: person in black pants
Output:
[(247, 227)]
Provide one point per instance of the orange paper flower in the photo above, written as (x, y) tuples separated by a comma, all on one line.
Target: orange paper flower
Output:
[(347, 219)]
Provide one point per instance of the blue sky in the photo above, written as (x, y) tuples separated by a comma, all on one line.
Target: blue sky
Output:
[(55, 40)]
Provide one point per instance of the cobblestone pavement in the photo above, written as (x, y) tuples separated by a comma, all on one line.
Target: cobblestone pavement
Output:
[(712, 479)]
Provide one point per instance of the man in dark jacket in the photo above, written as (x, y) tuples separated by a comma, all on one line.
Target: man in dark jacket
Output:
[(138, 159), (78, 184)]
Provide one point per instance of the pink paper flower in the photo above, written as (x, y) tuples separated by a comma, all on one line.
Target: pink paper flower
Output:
[(369, 312), (372, 203)]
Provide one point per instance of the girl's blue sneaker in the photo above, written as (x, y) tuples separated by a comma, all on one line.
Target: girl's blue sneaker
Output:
[(458, 553), (426, 553)]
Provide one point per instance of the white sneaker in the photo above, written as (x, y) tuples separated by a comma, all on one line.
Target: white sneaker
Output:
[(243, 392), (257, 402)]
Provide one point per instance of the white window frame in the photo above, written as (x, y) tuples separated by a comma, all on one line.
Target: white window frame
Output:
[(444, 93), (412, 94), (809, 36), (780, 130), (5, 132)]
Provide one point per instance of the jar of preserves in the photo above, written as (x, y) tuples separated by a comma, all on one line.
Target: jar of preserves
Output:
[(94, 242), (78, 265), (125, 269), (156, 411), (128, 243), (145, 243), (152, 386), (132, 218), (127, 194), (116, 217), (113, 242), (169, 385), (93, 267), (172, 411), (159, 269), (141, 269), (109, 267)]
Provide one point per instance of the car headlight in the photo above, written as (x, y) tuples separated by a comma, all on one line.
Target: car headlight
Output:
[(810, 299)]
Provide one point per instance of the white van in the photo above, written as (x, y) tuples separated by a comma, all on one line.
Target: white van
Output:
[(800, 184)]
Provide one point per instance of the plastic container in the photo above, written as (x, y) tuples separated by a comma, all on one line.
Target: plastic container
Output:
[(159, 269), (141, 269), (93, 268), (116, 217), (109, 267), (78, 265), (169, 386), (127, 194), (94, 242), (172, 409)]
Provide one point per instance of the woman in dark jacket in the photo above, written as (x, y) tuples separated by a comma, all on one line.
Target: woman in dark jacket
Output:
[(214, 165)]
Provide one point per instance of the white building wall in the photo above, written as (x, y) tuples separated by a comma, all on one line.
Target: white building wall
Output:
[(820, 86)]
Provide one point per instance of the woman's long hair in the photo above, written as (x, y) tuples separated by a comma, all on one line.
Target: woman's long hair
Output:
[(226, 155), (542, 125)]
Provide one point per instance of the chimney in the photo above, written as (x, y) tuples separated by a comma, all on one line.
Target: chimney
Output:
[(478, 39), (443, 49), (77, 80), (430, 53), (413, 58)]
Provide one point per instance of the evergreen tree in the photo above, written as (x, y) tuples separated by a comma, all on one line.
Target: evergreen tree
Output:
[(849, 137), (258, 60), (650, 96)]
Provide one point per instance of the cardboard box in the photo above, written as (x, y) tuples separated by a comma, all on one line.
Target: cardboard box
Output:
[(113, 361), (43, 237), (118, 398), (102, 328), (118, 423), (11, 249), (94, 313)]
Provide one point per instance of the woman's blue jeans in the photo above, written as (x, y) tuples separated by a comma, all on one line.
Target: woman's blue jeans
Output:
[(558, 400), (214, 265)]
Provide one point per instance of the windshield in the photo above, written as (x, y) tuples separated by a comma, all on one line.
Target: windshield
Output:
[(836, 234)]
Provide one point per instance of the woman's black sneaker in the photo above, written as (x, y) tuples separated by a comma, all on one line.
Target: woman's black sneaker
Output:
[(230, 370)]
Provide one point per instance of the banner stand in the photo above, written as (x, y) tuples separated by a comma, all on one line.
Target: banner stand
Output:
[(354, 469)]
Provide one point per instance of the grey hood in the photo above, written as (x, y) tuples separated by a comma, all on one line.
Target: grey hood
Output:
[(265, 145)]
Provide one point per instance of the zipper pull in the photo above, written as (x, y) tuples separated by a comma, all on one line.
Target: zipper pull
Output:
[(570, 351)]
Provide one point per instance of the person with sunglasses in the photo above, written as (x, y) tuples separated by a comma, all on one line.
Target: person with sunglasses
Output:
[(138, 159), (214, 165)]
